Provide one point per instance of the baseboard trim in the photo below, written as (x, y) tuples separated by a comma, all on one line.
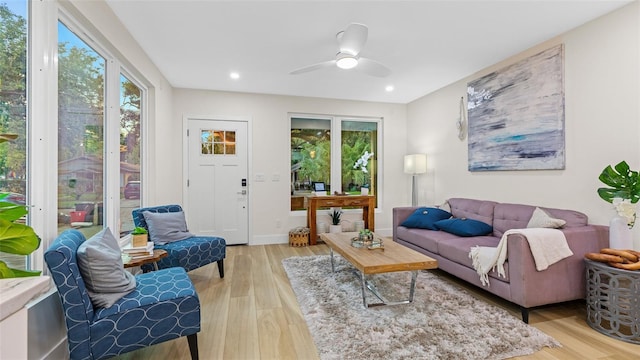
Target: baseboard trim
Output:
[(284, 238)]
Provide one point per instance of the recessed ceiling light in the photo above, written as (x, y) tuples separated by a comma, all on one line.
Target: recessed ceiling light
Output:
[(389, 88), (234, 75)]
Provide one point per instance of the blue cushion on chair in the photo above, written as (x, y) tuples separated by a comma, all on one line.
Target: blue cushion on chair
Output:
[(464, 227), (191, 253), (425, 218)]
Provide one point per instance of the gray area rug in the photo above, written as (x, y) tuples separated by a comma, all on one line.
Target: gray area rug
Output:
[(443, 322)]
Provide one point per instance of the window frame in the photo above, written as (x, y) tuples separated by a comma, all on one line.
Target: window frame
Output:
[(336, 150), (42, 118)]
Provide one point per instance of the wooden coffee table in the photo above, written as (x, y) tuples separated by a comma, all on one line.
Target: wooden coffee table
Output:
[(394, 257)]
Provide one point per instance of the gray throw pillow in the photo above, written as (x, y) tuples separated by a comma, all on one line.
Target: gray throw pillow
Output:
[(166, 227), (100, 264)]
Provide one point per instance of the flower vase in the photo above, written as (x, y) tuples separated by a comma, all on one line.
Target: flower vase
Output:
[(364, 191), (335, 229), (620, 236)]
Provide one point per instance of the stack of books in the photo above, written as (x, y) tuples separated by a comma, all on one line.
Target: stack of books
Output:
[(140, 252)]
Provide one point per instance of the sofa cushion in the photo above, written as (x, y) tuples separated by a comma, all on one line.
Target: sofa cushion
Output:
[(464, 227), (517, 216), (425, 239), (457, 250), (480, 210), (540, 219), (425, 218)]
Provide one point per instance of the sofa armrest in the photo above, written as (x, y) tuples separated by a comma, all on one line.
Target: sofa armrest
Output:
[(400, 214), (562, 281)]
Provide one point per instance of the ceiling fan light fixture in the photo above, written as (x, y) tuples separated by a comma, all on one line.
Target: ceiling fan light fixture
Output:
[(346, 62)]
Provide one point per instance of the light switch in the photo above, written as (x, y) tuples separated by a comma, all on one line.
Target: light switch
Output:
[(260, 177), (275, 177)]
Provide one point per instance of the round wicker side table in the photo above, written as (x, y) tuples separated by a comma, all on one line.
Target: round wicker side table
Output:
[(613, 301)]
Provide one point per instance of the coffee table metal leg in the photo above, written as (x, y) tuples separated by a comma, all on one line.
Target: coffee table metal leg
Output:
[(333, 267), (412, 290), (383, 302), (364, 290)]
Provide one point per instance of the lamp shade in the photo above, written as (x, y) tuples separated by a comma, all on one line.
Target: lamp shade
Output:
[(415, 164)]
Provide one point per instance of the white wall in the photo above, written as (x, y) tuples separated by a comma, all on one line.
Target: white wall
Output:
[(602, 117), (270, 150)]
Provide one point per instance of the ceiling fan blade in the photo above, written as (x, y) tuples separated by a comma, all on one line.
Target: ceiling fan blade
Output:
[(353, 38), (313, 67), (372, 67)]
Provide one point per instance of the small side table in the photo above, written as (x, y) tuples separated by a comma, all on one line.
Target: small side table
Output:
[(613, 301), (157, 255)]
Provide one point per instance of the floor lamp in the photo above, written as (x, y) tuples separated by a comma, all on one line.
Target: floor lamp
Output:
[(415, 164)]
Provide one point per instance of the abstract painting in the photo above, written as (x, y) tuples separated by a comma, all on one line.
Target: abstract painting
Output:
[(516, 115)]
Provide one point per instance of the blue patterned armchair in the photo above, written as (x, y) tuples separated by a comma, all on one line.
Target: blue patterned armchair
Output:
[(163, 306), (190, 253)]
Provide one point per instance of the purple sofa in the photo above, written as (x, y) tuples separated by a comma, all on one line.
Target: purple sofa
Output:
[(523, 285)]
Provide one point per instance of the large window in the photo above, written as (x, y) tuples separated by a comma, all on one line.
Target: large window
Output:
[(130, 184), (81, 120), (339, 152), (13, 109), (79, 166)]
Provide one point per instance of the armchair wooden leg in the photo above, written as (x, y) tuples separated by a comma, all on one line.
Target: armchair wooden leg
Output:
[(221, 268), (193, 345)]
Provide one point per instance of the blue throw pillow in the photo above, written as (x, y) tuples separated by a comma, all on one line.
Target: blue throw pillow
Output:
[(425, 218), (464, 227)]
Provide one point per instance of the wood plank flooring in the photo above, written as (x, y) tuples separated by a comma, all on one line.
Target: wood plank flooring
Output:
[(253, 314)]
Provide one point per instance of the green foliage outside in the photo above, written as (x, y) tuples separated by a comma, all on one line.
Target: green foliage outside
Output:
[(311, 151), (13, 99)]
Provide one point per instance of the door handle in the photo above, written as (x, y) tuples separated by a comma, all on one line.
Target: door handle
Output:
[(243, 192)]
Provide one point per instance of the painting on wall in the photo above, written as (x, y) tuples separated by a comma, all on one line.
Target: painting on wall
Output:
[(516, 115)]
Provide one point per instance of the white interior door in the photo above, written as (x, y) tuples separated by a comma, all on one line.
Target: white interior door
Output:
[(217, 191)]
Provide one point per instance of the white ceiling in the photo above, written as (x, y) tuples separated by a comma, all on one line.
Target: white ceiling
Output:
[(426, 44)]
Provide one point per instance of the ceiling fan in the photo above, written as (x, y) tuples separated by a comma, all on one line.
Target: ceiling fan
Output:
[(350, 41)]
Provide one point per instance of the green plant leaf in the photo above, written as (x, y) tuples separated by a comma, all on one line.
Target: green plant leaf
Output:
[(17, 239), (139, 230), (5, 272), (12, 212), (622, 181)]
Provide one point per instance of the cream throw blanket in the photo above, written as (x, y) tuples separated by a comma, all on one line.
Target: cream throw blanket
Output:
[(548, 246)]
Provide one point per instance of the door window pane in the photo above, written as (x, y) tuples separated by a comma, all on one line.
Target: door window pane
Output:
[(130, 150), (80, 134), (13, 110), (310, 158), (217, 142)]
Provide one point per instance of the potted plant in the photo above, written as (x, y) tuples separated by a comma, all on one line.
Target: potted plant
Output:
[(335, 215), (623, 192), (140, 236)]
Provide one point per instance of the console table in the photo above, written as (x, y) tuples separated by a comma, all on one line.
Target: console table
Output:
[(366, 202)]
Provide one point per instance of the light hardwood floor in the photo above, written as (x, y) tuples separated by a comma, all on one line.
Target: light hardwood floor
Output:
[(253, 314)]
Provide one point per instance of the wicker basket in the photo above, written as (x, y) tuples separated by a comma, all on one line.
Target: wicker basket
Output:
[(299, 236)]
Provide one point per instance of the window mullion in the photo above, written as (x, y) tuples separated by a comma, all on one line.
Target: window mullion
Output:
[(336, 154)]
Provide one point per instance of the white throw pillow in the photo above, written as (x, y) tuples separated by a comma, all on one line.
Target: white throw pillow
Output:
[(540, 219), (445, 206), (100, 264)]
